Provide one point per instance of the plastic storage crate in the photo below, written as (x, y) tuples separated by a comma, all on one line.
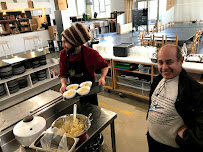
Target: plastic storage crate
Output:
[(133, 89), (129, 88), (97, 77), (108, 81), (144, 69), (134, 82), (145, 92)]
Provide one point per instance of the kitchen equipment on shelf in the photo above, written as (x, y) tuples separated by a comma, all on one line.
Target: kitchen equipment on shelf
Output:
[(27, 130)]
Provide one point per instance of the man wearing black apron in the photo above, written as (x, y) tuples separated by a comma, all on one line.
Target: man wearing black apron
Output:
[(78, 62)]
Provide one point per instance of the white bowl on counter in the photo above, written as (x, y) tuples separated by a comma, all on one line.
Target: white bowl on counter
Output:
[(83, 91), (86, 84), (69, 94)]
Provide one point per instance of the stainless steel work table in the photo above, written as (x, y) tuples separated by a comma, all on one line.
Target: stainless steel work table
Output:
[(101, 119)]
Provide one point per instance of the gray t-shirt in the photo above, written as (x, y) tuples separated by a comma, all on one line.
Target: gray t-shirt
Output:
[(163, 119)]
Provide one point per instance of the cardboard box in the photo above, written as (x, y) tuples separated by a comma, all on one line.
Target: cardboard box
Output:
[(3, 5), (62, 4), (52, 30), (30, 4)]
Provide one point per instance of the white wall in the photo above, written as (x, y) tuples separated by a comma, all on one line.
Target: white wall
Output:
[(187, 10), (24, 4), (168, 16), (121, 19), (16, 42), (184, 11), (117, 5)]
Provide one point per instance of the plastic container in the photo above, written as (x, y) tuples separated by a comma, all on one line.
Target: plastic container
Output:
[(145, 92), (144, 69), (129, 88), (71, 143), (107, 79), (134, 82), (97, 77), (122, 49)]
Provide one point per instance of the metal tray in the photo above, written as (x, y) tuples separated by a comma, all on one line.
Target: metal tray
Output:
[(71, 143)]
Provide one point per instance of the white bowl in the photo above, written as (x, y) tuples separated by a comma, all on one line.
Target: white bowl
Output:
[(72, 87), (69, 94), (86, 84), (83, 91)]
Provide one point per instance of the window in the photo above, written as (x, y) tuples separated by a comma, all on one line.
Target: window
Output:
[(102, 7)]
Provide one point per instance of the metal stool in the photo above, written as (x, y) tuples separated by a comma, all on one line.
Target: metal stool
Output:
[(30, 38), (2, 43)]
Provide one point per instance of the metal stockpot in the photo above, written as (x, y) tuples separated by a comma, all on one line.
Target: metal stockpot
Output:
[(59, 122)]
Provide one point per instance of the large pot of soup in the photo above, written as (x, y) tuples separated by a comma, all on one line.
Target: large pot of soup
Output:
[(74, 128)]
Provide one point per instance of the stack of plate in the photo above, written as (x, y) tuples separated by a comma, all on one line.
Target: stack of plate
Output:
[(28, 64), (22, 82), (42, 60), (34, 78), (13, 86), (6, 72), (42, 75), (2, 90), (18, 68), (35, 63)]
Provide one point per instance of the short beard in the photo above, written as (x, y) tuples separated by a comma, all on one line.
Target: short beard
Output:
[(71, 50)]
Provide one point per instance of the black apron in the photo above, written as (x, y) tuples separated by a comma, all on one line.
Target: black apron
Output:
[(78, 73)]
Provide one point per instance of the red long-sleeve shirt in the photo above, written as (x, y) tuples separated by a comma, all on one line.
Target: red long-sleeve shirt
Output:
[(92, 58)]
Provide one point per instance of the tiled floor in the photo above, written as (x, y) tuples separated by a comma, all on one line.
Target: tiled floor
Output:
[(130, 124)]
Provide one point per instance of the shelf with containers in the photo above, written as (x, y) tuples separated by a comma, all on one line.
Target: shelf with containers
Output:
[(19, 86), (15, 26), (133, 76), (109, 76)]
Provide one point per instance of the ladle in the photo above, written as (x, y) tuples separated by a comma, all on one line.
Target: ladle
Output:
[(88, 118), (74, 111)]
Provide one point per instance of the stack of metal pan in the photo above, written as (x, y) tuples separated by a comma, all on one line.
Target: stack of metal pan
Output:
[(35, 63), (6, 72), (22, 82), (13, 86), (28, 64), (42, 60), (42, 75), (18, 68), (2, 90), (34, 78)]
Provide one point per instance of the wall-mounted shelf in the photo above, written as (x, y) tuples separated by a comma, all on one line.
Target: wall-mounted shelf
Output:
[(10, 99)]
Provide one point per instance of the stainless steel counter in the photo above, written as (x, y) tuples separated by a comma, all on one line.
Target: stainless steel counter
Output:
[(101, 119), (12, 115)]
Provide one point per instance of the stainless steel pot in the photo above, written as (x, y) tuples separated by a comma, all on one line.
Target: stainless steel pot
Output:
[(59, 122)]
